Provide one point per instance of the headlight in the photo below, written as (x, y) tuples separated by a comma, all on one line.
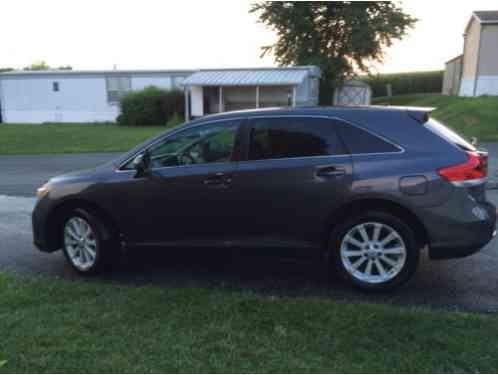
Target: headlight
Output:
[(41, 191)]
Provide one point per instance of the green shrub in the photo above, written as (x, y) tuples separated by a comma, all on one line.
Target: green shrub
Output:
[(150, 106), (406, 83)]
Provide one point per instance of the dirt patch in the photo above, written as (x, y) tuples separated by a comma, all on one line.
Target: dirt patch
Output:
[(471, 120)]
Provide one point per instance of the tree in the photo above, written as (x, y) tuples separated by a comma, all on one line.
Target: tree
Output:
[(42, 65), (341, 37), (3, 70), (38, 65)]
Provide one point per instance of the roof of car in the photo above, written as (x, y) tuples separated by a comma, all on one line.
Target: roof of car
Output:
[(419, 113)]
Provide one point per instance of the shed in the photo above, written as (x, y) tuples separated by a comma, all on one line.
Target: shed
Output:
[(215, 91), (480, 55), (75, 96), (452, 76), (353, 92)]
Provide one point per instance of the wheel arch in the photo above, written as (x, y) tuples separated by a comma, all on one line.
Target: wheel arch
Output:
[(358, 206), (59, 213)]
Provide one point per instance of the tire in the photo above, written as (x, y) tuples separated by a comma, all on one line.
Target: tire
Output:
[(357, 260), (88, 244)]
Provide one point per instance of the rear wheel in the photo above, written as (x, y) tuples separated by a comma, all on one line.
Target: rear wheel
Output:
[(375, 251), (88, 244)]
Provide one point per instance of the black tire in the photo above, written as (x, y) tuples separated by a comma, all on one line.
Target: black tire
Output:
[(107, 243), (398, 225)]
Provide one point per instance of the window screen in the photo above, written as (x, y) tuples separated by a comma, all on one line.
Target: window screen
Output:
[(290, 137), (117, 87), (359, 141)]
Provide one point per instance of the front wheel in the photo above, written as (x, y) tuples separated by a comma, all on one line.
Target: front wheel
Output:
[(87, 243), (375, 251)]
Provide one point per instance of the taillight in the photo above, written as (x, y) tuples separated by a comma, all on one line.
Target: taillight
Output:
[(473, 170)]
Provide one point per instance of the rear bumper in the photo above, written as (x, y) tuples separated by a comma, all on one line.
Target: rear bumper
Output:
[(437, 253), (468, 238)]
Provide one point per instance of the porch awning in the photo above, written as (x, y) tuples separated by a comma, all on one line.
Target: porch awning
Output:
[(247, 77)]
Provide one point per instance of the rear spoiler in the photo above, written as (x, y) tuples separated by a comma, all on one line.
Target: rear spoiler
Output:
[(420, 114)]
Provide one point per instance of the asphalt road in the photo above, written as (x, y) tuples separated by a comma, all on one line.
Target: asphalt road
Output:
[(21, 175), (461, 284)]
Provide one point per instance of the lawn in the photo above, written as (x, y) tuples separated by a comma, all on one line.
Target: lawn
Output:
[(54, 325), (472, 117), (476, 117), (71, 138)]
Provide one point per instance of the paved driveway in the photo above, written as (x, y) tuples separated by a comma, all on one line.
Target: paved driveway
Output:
[(463, 284)]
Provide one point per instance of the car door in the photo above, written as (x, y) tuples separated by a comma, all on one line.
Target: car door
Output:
[(186, 196), (296, 170)]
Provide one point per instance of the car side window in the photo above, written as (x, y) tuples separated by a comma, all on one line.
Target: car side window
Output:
[(213, 143), (290, 137), (360, 141)]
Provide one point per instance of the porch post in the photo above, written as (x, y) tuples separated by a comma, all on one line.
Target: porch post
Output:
[(187, 109), (257, 96), (293, 96), (220, 104)]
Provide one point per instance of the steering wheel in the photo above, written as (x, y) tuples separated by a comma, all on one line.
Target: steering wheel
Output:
[(186, 158)]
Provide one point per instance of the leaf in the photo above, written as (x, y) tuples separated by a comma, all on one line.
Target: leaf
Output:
[(3, 363)]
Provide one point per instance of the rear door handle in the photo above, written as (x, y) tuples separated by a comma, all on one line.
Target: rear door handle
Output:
[(218, 179), (331, 171)]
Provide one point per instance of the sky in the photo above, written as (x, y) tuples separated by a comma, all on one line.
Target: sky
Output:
[(171, 34)]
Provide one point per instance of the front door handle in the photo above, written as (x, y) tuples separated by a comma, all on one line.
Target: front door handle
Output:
[(331, 171), (218, 179)]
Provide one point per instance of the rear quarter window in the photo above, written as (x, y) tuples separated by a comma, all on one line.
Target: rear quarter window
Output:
[(448, 134), (360, 141)]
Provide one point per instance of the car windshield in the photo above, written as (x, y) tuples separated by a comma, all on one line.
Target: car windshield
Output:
[(449, 134)]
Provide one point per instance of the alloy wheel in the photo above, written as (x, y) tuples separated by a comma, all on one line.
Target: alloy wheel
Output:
[(373, 252), (81, 243)]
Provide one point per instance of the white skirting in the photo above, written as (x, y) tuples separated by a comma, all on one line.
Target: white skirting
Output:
[(38, 116), (467, 87), (485, 85)]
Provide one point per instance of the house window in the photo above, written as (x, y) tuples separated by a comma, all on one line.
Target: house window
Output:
[(117, 86), (55, 86), (314, 87)]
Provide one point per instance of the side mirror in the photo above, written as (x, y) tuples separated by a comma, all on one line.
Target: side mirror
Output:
[(141, 163)]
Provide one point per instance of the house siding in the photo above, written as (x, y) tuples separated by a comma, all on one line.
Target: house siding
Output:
[(81, 97), (471, 50), (488, 59), (470, 58)]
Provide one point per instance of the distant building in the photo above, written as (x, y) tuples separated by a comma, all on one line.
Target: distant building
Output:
[(75, 96), (479, 62), (93, 96), (353, 92), (452, 76), (214, 91)]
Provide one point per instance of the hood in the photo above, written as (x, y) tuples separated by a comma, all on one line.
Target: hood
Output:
[(81, 175)]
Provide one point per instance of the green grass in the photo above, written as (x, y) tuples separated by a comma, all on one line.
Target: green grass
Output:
[(53, 325), (471, 117), (71, 138)]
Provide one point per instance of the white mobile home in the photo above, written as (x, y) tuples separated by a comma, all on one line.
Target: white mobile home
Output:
[(214, 91), (75, 96)]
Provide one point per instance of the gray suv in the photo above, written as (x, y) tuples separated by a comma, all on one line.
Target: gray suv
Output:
[(368, 188)]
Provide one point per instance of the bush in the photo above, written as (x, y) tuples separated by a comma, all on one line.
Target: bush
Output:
[(406, 83), (150, 106)]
